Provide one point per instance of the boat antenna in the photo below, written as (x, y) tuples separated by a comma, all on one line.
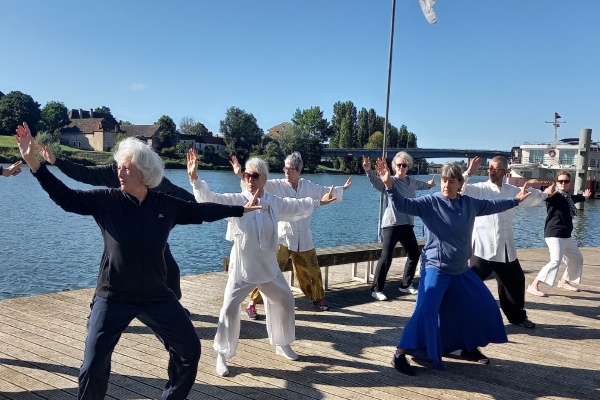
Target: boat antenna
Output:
[(556, 124)]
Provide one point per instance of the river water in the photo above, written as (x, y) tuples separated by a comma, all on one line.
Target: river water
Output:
[(44, 249)]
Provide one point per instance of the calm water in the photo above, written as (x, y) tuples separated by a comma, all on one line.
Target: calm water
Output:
[(44, 249)]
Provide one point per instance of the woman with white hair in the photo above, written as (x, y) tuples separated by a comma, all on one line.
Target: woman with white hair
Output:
[(397, 226), (135, 224), (252, 261), (295, 237), (454, 309)]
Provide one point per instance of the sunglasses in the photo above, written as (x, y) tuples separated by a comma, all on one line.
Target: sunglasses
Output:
[(402, 165), (563, 181), (254, 176), (496, 170), (289, 169)]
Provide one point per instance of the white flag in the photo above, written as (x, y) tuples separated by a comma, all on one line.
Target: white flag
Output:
[(427, 7)]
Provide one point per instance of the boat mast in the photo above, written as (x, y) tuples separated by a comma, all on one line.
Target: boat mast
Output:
[(556, 124)]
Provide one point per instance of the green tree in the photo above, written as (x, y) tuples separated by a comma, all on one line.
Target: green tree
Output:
[(375, 141), (124, 123), (411, 142), (311, 120), (362, 128), (16, 108), (102, 110), (392, 137), (343, 125), (403, 137), (167, 132), (274, 155), (188, 126), (51, 141), (183, 147), (53, 116), (240, 132), (120, 136), (373, 124), (307, 144)]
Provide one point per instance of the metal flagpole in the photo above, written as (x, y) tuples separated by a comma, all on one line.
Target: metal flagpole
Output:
[(387, 109)]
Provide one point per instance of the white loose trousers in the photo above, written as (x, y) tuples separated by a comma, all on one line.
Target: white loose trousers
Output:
[(565, 250), (279, 308)]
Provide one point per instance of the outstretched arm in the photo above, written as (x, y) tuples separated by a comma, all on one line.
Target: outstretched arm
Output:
[(237, 168), (13, 170), (400, 203)]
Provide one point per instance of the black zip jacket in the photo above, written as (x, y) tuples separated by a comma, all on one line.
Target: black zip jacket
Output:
[(135, 234), (559, 223), (108, 175)]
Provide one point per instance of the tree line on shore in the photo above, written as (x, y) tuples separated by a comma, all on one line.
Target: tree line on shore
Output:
[(306, 133)]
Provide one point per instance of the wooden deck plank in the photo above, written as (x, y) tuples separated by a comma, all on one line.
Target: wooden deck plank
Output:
[(344, 353)]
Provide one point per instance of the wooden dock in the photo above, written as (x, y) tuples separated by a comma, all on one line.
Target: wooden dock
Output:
[(345, 353)]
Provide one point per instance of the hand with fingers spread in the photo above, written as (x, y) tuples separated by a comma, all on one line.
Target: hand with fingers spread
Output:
[(474, 166), (26, 146), (587, 194), (523, 194), (13, 170), (328, 197), (551, 190), (192, 165), (366, 163), (432, 181), (348, 183), (237, 167), (251, 205), (46, 153), (384, 172)]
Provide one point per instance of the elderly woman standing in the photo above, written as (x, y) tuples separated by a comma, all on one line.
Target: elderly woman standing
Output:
[(135, 224), (454, 309), (252, 260), (397, 226), (557, 233), (295, 237)]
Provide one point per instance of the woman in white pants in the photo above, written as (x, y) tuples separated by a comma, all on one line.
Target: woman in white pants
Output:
[(252, 261), (557, 232)]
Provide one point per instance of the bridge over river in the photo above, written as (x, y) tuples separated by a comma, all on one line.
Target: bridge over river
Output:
[(416, 153)]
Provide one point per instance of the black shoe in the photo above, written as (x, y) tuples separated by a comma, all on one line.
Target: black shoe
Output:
[(526, 324), (402, 365), (475, 355)]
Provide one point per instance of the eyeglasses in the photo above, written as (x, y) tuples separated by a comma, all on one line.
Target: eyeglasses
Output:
[(562, 181), (254, 176), (495, 170), (289, 169), (402, 165)]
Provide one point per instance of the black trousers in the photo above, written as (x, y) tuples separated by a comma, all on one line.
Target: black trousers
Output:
[(173, 273), (391, 236), (511, 285)]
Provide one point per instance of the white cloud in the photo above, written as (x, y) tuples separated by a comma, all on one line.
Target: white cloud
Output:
[(137, 87)]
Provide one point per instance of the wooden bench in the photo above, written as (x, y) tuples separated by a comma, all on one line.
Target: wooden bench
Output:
[(349, 254)]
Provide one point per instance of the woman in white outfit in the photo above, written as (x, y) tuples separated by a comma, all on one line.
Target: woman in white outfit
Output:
[(252, 261)]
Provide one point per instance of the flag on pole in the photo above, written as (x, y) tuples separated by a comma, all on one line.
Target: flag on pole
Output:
[(427, 7), (557, 116)]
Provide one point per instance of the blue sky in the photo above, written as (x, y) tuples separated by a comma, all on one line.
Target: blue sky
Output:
[(487, 75)]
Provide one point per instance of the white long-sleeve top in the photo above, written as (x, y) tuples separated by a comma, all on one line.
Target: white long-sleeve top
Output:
[(492, 234), (296, 235), (254, 235)]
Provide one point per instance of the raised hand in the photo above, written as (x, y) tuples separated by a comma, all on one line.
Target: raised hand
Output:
[(46, 153), (551, 190), (328, 197), (13, 170), (27, 146), (366, 163), (473, 166), (587, 194), (523, 194), (251, 204), (237, 168), (384, 172), (431, 181), (348, 183), (192, 165)]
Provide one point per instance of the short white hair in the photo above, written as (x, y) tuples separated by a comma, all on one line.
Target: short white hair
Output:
[(405, 156), (260, 165), (150, 165), (295, 160)]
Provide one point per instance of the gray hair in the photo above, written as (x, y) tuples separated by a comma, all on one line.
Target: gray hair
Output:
[(500, 160), (295, 160), (151, 167), (260, 165), (452, 170), (405, 156)]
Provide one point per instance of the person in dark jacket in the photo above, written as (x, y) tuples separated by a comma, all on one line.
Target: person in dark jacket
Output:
[(557, 233), (135, 224), (107, 175)]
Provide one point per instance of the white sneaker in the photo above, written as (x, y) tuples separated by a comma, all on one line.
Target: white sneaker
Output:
[(378, 296), (409, 289), (287, 352), (222, 365)]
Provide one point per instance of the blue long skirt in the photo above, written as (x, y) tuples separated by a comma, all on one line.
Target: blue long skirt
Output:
[(452, 312)]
